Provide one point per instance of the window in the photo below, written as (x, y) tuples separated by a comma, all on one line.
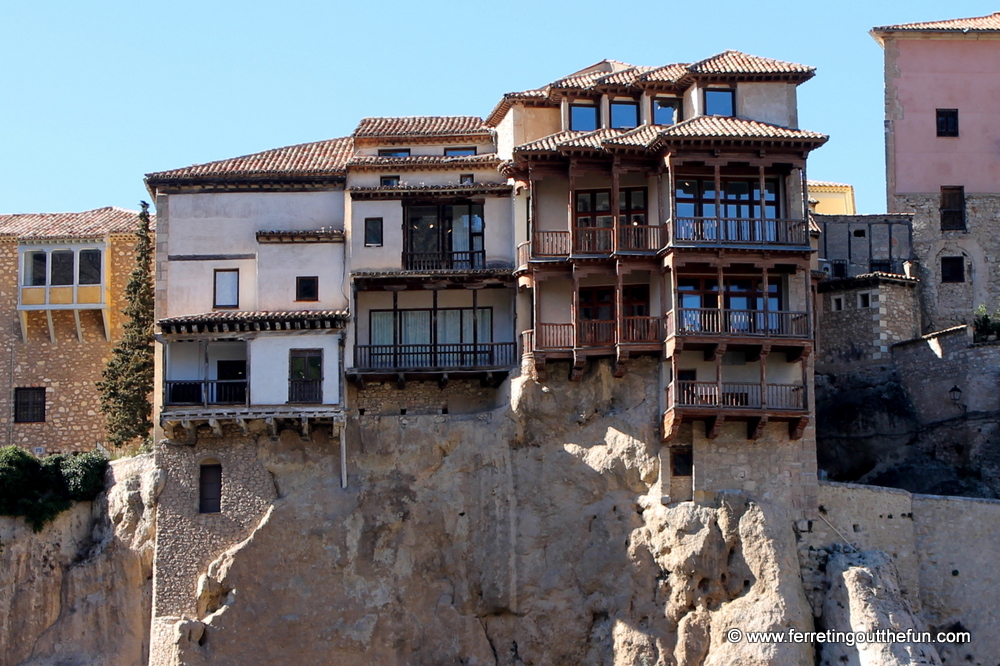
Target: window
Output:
[(624, 114), (389, 181), (442, 337), (394, 152), (734, 358), (666, 110), (635, 300), (953, 208), (373, 232), (839, 268), (210, 487), (583, 117), (444, 236), (952, 269), (720, 102), (29, 405), (632, 206), (227, 288), (467, 179), (838, 304), (740, 198), (859, 233), (307, 288), (62, 267), (305, 375), (681, 461), (864, 300), (456, 152), (880, 266), (947, 122)]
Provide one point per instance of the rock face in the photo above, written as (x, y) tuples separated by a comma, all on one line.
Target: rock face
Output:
[(531, 535), (78, 593)]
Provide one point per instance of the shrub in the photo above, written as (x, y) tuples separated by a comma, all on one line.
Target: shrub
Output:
[(40, 490)]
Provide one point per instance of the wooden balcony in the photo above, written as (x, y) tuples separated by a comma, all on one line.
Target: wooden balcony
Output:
[(593, 240), (641, 238), (551, 245), (739, 323), (206, 392), (434, 261), (754, 403), (485, 360), (711, 231)]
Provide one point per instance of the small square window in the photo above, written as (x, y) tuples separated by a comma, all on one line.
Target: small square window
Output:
[(307, 288), (953, 208), (839, 268), (227, 289), (624, 115), (952, 269), (456, 152), (373, 232), (29, 405), (681, 461), (864, 300), (583, 117), (666, 110), (393, 152), (838, 304), (859, 233), (880, 266), (467, 179), (389, 181), (720, 102), (947, 122)]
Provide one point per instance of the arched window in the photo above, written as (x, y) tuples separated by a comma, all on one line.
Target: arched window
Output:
[(210, 487)]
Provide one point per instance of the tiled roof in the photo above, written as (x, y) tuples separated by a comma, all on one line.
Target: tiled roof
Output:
[(88, 224), (548, 143), (241, 320), (394, 191), (322, 158), (421, 126), (665, 74), (825, 183), (990, 23), (724, 127), (424, 161), (624, 78), (586, 78), (641, 137), (592, 140), (536, 97), (729, 63)]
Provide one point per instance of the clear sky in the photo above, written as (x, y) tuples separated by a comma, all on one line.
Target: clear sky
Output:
[(96, 94)]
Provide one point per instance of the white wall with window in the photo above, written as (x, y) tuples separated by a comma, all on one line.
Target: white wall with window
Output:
[(271, 372), (279, 264), (487, 174), (193, 285)]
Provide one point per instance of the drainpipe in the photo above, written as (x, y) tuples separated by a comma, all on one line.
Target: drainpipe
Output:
[(343, 455)]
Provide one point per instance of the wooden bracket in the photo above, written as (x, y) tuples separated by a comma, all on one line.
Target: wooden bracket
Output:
[(216, 427), (304, 424), (272, 427), (755, 427), (715, 352), (797, 426), (621, 360), (713, 425), (244, 428), (400, 381), (443, 381), (671, 424)]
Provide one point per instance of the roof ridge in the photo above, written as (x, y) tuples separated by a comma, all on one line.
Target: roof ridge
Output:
[(254, 154)]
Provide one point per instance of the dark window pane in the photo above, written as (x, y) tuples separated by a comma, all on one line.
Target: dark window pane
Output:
[(666, 111), (307, 288), (624, 115), (583, 117), (34, 266), (389, 181), (394, 152), (947, 122), (681, 462), (90, 267), (29, 405), (952, 269), (953, 208), (210, 489), (373, 231), (62, 267), (466, 179), (454, 152), (719, 102)]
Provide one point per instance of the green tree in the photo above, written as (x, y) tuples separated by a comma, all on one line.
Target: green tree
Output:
[(128, 378)]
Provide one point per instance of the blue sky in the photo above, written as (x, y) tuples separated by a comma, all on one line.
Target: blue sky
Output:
[(97, 94)]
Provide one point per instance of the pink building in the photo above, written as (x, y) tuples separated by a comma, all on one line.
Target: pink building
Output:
[(942, 89)]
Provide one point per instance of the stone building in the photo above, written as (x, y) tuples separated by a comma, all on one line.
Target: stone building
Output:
[(940, 166), (62, 285), (852, 245)]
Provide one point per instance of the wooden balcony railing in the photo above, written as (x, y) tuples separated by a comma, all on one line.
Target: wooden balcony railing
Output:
[(550, 244), (430, 261), (439, 356), (206, 392), (305, 390), (554, 336), (640, 238), (715, 230), (641, 329), (755, 323), (527, 342), (523, 254), (593, 240), (741, 395), (596, 332)]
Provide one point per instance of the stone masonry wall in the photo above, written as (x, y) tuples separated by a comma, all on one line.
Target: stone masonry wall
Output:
[(68, 368), (951, 304), (423, 397)]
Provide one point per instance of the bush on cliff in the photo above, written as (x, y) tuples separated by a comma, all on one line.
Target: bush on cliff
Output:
[(39, 490)]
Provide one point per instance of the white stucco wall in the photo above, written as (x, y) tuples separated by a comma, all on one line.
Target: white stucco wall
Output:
[(269, 365), (773, 103), (191, 283), (278, 264)]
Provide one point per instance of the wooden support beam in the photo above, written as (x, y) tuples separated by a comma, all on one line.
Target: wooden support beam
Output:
[(716, 351), (359, 382), (443, 381), (106, 320), (755, 427), (304, 425), (244, 428), (621, 360), (797, 426), (52, 328), (216, 427), (579, 363), (190, 432), (538, 361), (400, 381), (671, 424), (272, 427), (713, 425), (79, 329)]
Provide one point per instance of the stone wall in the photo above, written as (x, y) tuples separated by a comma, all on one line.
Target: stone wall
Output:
[(423, 397), (952, 304), (851, 334), (855, 241), (943, 548), (68, 367)]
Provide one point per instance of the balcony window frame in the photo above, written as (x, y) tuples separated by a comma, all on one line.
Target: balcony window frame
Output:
[(589, 105), (460, 151), (27, 253), (634, 104), (947, 122), (306, 354), (731, 92), (628, 211), (215, 289), (678, 107), (445, 227), (952, 207), (389, 181), (706, 184)]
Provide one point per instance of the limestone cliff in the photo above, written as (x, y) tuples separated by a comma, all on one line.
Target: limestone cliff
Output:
[(78, 593)]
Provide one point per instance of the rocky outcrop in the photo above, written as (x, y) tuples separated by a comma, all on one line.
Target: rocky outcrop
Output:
[(78, 592), (531, 535)]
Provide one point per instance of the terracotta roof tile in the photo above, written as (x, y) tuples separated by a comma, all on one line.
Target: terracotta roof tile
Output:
[(548, 143), (421, 126), (826, 183), (724, 127), (537, 97), (237, 320), (625, 77), (322, 158), (990, 23), (423, 161), (641, 137), (88, 224), (592, 140), (665, 74), (735, 63)]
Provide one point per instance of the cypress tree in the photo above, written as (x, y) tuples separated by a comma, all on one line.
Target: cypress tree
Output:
[(128, 378)]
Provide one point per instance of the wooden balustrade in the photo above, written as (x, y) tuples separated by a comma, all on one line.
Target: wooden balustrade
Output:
[(714, 230)]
